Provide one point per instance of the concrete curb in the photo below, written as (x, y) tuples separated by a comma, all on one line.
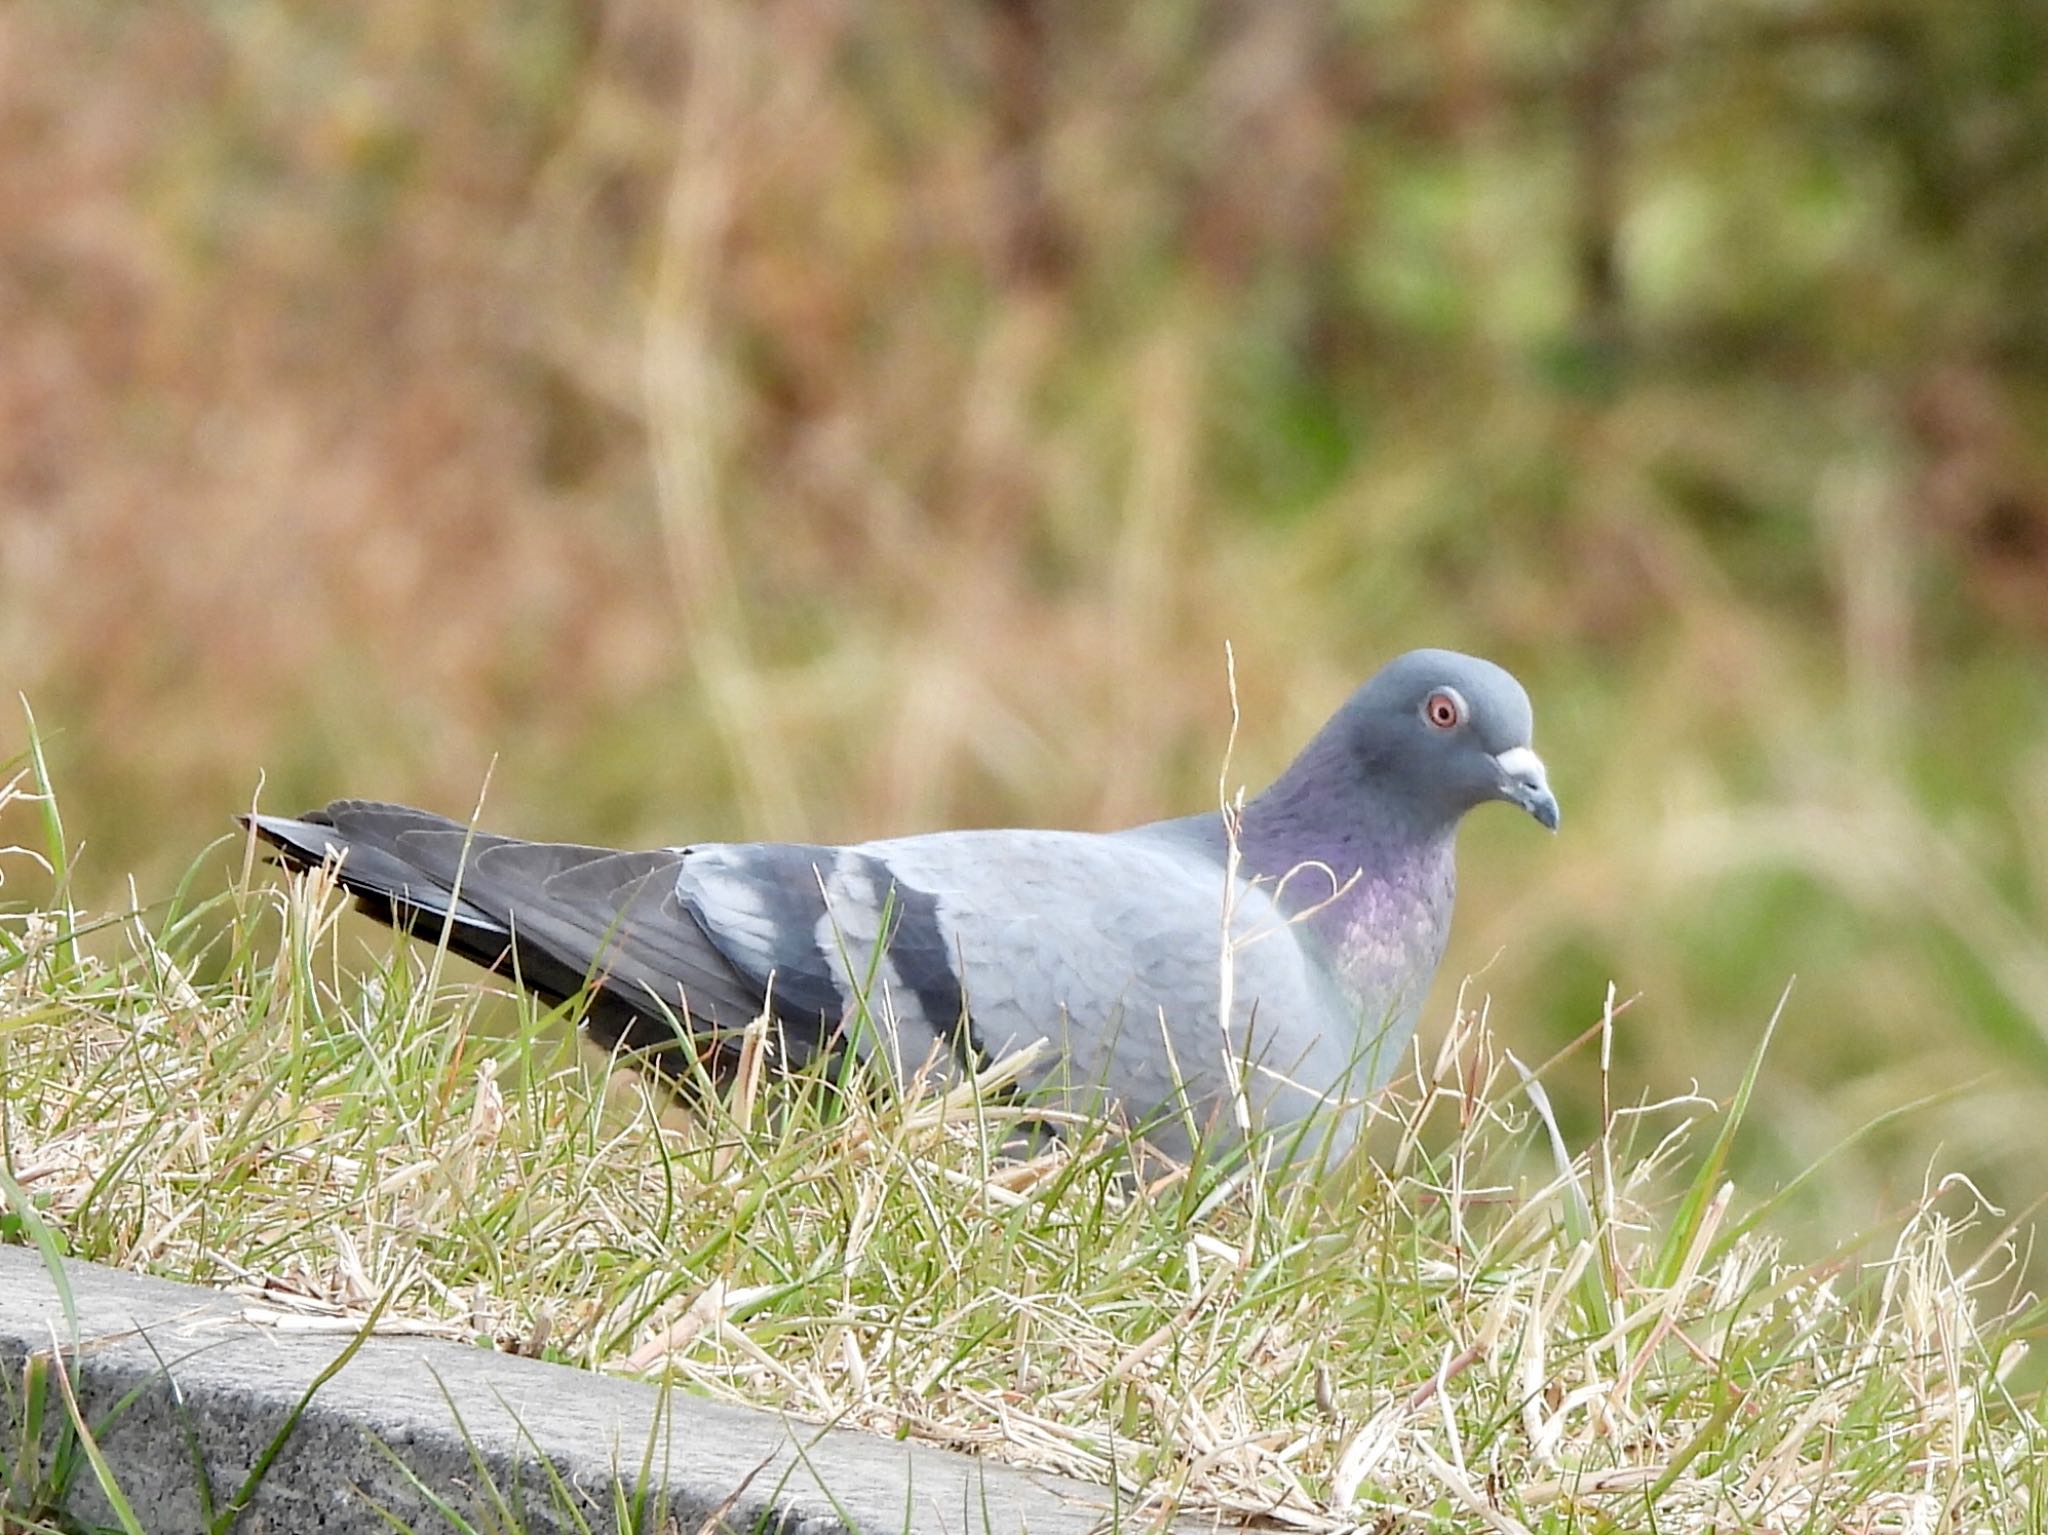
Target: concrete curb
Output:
[(208, 1381)]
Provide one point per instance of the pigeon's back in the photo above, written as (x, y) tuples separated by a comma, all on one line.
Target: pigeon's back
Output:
[(1110, 947)]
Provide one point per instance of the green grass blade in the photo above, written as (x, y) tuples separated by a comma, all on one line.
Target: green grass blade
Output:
[(103, 1473), (230, 1515), (46, 1242), (56, 849), (1706, 1179)]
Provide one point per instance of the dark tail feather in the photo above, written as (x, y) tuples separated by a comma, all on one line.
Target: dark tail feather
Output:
[(564, 921), (384, 885)]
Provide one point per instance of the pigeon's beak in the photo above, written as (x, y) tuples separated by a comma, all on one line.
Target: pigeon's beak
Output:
[(1523, 782)]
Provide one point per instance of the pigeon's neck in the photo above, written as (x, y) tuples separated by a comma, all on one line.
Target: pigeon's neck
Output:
[(1340, 862), (1371, 878)]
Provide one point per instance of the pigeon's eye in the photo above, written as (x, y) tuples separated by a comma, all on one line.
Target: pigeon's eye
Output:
[(1444, 709)]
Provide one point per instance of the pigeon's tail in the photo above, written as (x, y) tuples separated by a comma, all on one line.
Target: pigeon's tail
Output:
[(564, 921)]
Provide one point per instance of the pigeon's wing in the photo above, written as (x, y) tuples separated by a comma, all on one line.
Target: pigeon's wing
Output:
[(564, 920), (803, 923), (969, 945)]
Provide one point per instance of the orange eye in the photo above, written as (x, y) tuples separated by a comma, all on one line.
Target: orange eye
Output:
[(1444, 709)]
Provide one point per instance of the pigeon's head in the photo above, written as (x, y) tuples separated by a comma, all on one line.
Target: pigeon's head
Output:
[(1447, 732)]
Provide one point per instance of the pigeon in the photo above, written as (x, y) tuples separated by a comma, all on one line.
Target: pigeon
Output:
[(1259, 966)]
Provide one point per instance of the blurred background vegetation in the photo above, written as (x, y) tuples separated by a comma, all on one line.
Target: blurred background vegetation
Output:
[(809, 419)]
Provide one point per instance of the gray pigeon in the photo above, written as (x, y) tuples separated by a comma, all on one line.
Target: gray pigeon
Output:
[(957, 947)]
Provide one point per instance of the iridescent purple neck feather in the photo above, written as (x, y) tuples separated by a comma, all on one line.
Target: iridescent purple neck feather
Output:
[(1370, 873)]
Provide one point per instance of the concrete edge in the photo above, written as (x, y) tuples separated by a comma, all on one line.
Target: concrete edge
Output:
[(209, 1385)]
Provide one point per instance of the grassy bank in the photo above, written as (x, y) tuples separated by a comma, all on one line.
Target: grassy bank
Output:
[(1485, 1326), (889, 435)]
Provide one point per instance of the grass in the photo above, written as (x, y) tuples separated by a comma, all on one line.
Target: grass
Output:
[(1481, 1325), (855, 448)]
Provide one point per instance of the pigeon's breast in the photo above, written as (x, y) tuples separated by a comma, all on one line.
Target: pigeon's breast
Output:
[(1387, 933)]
